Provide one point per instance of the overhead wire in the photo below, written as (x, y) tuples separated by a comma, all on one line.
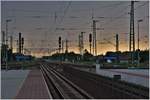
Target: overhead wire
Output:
[(65, 11), (109, 23), (125, 13)]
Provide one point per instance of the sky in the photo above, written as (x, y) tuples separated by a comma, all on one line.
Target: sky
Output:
[(42, 22)]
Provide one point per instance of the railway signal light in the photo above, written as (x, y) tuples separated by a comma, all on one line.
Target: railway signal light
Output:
[(90, 40), (59, 41), (90, 37)]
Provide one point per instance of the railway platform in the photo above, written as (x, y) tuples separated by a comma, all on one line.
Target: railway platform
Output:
[(11, 81), (135, 76), (34, 87)]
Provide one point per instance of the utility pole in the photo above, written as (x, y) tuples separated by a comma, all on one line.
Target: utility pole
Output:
[(117, 43), (117, 47), (90, 41), (81, 43), (132, 39), (94, 38)]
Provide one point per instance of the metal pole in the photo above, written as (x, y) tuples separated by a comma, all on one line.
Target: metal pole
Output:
[(79, 43), (90, 47), (138, 42), (66, 46), (6, 32), (6, 44), (63, 49), (94, 38), (3, 47), (138, 45), (11, 43), (62, 46), (117, 43), (82, 44), (11, 47), (17, 47), (117, 47), (59, 41), (3, 38), (66, 51), (132, 39), (138, 35), (20, 43), (90, 40)]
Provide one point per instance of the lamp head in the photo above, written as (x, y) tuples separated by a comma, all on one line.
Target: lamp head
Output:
[(140, 20), (8, 20)]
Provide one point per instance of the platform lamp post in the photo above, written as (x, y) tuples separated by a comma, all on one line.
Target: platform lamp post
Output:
[(138, 42), (8, 20)]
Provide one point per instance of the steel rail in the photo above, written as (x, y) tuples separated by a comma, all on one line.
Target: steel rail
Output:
[(54, 90), (81, 91), (74, 87)]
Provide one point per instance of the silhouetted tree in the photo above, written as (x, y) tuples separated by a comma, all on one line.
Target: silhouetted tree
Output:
[(87, 56)]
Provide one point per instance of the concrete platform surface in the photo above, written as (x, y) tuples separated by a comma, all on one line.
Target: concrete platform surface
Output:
[(135, 76), (34, 87), (11, 80)]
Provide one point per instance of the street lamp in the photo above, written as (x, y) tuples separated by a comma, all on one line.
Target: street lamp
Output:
[(8, 20), (140, 20)]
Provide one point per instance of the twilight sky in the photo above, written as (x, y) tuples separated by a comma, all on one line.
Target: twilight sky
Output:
[(41, 23)]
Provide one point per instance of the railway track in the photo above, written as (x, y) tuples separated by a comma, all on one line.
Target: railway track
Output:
[(128, 90), (60, 87)]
